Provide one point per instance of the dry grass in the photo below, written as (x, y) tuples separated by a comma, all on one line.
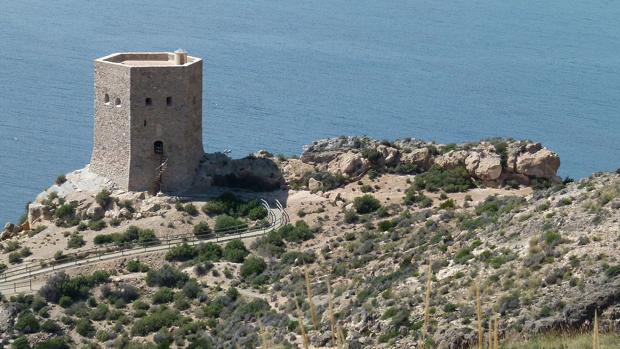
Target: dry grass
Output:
[(315, 321), (330, 310), (479, 317), (302, 328), (566, 341), (427, 303)]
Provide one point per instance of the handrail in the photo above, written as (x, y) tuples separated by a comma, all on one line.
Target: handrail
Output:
[(241, 231)]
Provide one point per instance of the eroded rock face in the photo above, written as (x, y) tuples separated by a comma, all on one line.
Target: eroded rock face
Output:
[(349, 164), (254, 173), (490, 162), (541, 163)]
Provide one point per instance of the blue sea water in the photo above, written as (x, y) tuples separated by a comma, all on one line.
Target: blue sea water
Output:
[(281, 73)]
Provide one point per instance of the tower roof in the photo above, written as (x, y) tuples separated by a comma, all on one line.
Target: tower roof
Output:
[(145, 59)]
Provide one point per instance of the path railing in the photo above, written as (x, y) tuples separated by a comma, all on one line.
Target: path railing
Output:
[(113, 251)]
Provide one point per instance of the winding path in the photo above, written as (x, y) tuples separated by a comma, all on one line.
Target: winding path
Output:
[(29, 278)]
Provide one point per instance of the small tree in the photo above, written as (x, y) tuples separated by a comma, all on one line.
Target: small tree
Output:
[(366, 204), (103, 198), (202, 229), (235, 251), (253, 266)]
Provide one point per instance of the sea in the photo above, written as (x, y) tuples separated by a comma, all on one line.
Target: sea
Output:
[(279, 74)]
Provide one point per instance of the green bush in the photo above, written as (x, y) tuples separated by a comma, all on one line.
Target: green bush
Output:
[(366, 204), (3, 267), (27, 323), (190, 209), (154, 322), (60, 180), (202, 229), (350, 217), (85, 328), (295, 233), (235, 251), (21, 342), (209, 251), (50, 326), (103, 198), (103, 239), (447, 205), (163, 295), (228, 223), (65, 215), (97, 225), (181, 253), (75, 288), (76, 241), (253, 266), (167, 276), (451, 181), (53, 343), (15, 258), (297, 257), (134, 266)]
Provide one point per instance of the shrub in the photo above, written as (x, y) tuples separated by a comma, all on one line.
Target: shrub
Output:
[(447, 205), (350, 217), (27, 323), (75, 288), (295, 233), (167, 276), (60, 179), (20, 342), (3, 267), (134, 266), (192, 289), (366, 204), (103, 198), (181, 253), (53, 343), (253, 266), (65, 215), (76, 241), (97, 225), (103, 239), (202, 229), (451, 181), (235, 251), (85, 328), (15, 258), (163, 295), (613, 271), (190, 209), (209, 251), (226, 223), (298, 258), (152, 323), (50, 326)]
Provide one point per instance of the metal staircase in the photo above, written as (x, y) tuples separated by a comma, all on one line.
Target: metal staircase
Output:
[(159, 176)]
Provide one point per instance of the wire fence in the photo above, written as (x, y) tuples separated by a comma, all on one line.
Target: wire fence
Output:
[(112, 251)]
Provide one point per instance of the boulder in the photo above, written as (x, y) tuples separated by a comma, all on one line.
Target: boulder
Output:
[(314, 185), (451, 159), (38, 212), (420, 157), (349, 164), (95, 212), (541, 164), (295, 169), (488, 167)]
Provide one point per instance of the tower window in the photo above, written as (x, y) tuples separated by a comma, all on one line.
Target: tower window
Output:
[(106, 99), (117, 102), (158, 147), (194, 100), (144, 123), (148, 101), (168, 101)]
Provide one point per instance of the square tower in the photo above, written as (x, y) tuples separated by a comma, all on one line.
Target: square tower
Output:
[(148, 120)]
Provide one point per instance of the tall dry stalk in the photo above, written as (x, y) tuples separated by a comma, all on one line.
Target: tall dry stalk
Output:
[(264, 336), (330, 310), (340, 338), (427, 303), (315, 321), (479, 316), (302, 328), (496, 333), (595, 332), (491, 333)]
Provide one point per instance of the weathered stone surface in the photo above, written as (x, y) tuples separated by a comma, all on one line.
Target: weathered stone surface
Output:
[(95, 212), (542, 164), (348, 164), (249, 173), (489, 168), (451, 159), (296, 169), (314, 185), (420, 157)]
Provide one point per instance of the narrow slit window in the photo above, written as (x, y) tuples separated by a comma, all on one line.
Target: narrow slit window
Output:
[(144, 123), (158, 147), (106, 99), (148, 101), (168, 101), (117, 102)]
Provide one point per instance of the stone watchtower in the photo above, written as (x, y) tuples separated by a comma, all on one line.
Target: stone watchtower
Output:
[(148, 120)]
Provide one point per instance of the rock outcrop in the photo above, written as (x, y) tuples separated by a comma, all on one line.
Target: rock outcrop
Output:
[(492, 163)]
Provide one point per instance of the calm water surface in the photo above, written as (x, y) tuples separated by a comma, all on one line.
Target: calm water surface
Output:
[(279, 74)]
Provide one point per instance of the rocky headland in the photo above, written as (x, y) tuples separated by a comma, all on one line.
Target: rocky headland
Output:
[(369, 217)]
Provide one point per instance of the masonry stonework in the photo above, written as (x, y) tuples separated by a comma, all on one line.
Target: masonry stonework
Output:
[(148, 117)]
